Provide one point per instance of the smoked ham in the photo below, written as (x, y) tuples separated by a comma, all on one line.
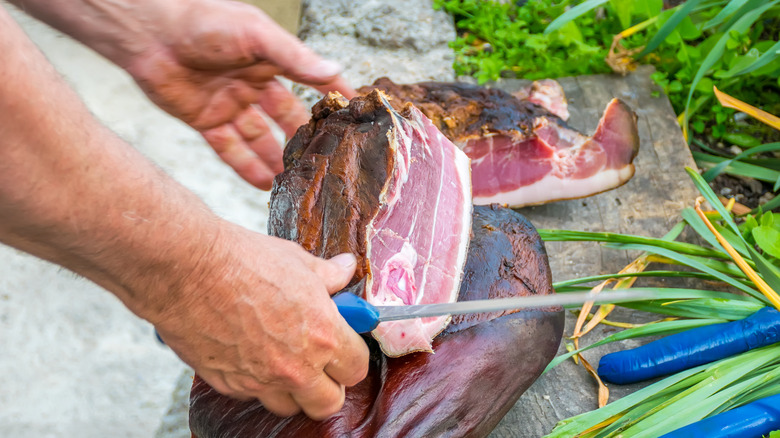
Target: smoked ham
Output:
[(334, 187), (522, 152), (411, 221)]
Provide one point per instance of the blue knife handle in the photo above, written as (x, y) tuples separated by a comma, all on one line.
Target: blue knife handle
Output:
[(753, 420), (360, 315)]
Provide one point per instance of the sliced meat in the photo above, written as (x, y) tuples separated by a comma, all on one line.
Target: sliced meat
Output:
[(483, 362), (408, 206), (522, 153)]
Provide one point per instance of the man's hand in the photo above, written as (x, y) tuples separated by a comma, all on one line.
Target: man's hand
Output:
[(266, 327), (214, 67), (211, 63), (250, 313)]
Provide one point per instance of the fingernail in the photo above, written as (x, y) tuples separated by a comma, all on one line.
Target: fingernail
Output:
[(346, 260), (328, 68)]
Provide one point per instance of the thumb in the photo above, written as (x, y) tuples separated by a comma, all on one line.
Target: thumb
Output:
[(336, 272)]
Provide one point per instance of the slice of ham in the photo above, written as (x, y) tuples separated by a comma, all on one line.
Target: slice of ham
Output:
[(522, 151), (556, 163), (418, 240), (387, 186)]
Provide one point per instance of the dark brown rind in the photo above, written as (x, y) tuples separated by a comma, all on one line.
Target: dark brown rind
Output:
[(465, 111), (482, 364)]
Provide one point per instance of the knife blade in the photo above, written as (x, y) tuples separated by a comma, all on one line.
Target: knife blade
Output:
[(364, 317)]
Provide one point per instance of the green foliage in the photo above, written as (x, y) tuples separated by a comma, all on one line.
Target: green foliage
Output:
[(504, 40)]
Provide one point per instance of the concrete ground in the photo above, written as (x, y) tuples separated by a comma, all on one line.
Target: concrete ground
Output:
[(73, 361)]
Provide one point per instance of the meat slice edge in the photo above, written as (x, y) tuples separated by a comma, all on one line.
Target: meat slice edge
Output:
[(418, 240)]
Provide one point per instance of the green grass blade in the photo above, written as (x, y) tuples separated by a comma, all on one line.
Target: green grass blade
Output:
[(572, 14), (769, 56), (748, 6), (710, 174), (692, 405), (660, 273), (668, 27), (698, 264), (698, 225), (727, 10), (587, 420), (589, 236), (710, 196), (655, 329), (771, 205), (738, 168), (730, 309), (769, 272), (740, 25)]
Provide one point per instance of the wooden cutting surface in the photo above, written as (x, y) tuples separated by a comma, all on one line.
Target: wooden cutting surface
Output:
[(648, 205)]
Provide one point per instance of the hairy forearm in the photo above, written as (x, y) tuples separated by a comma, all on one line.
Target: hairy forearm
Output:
[(73, 193), (117, 29)]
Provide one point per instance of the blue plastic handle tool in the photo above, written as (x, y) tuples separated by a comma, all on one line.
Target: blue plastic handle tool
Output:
[(360, 315), (691, 348), (756, 419)]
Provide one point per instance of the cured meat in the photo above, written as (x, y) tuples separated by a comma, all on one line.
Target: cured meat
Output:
[(411, 220), (483, 363), (523, 153)]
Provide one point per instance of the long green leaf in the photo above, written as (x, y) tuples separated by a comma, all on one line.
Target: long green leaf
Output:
[(770, 55), (576, 424), (727, 10), (710, 196), (589, 236), (739, 168), (669, 26), (664, 274), (769, 272), (700, 308), (573, 13), (655, 329), (689, 261), (716, 53), (703, 399), (748, 6), (698, 225), (771, 205), (715, 171)]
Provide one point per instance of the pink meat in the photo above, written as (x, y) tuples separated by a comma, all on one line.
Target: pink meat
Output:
[(417, 241), (555, 162)]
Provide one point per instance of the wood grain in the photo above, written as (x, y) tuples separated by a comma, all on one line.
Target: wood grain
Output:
[(648, 205)]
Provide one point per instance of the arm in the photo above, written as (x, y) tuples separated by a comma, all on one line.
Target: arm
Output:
[(250, 313), (211, 63)]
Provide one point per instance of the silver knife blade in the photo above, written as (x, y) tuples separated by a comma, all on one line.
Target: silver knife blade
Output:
[(394, 313)]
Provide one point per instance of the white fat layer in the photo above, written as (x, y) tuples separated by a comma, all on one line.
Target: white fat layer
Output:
[(552, 187)]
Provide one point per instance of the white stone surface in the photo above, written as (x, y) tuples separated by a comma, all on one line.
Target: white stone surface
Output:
[(73, 361)]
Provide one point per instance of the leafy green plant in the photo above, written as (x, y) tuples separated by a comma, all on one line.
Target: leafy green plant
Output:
[(730, 257)]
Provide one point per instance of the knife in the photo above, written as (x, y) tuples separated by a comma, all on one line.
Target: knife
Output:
[(364, 317)]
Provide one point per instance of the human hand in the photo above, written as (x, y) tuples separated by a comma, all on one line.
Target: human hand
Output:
[(213, 65), (266, 328)]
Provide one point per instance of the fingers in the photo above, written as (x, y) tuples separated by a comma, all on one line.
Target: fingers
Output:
[(336, 272), (339, 84), (233, 149), (321, 399), (280, 403), (283, 107)]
